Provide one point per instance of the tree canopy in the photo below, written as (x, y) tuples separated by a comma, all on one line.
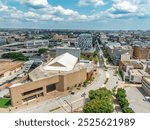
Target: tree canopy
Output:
[(15, 56), (101, 101)]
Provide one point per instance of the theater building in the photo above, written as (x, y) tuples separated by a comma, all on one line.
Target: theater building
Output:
[(58, 75)]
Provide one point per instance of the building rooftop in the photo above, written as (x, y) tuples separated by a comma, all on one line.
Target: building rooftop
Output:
[(9, 65), (147, 79), (45, 71), (133, 63), (64, 62), (66, 47), (138, 72)]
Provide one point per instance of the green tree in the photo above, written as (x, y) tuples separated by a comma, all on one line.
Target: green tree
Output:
[(121, 93), (98, 106), (42, 51), (15, 56), (100, 93)]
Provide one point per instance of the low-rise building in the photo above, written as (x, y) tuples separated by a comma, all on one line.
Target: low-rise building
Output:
[(146, 84), (57, 76), (115, 50), (135, 75), (9, 70), (126, 66)]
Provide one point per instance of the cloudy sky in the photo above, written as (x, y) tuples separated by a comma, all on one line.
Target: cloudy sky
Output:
[(75, 14)]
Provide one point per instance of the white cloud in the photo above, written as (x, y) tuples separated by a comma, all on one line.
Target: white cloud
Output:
[(34, 3), (124, 6), (120, 9), (90, 2), (129, 9)]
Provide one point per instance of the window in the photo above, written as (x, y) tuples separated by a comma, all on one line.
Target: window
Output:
[(51, 88), (132, 78), (2, 75), (32, 91), (40, 94), (29, 98)]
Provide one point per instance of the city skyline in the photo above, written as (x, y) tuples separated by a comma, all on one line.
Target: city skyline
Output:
[(75, 14)]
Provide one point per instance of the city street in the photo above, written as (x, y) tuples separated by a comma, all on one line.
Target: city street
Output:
[(135, 96)]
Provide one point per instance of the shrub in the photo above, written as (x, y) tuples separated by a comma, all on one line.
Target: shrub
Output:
[(123, 102), (127, 110)]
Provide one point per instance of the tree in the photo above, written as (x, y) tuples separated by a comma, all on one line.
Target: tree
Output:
[(98, 106), (42, 51), (121, 93), (101, 101), (100, 94), (15, 56), (85, 83)]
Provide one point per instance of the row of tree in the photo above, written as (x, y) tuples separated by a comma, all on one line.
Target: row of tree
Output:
[(101, 101), (123, 102), (15, 55)]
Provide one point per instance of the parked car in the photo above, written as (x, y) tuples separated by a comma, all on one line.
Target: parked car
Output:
[(72, 92)]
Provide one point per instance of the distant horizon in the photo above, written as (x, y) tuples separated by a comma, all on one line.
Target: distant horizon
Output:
[(15, 28), (76, 14)]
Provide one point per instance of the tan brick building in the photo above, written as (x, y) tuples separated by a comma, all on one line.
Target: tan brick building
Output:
[(141, 52), (44, 81)]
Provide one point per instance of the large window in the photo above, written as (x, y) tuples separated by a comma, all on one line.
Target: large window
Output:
[(32, 91), (51, 88), (29, 98)]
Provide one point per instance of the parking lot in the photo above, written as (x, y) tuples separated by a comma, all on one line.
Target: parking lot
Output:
[(135, 96)]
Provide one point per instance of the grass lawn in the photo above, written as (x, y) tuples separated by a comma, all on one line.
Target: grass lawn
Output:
[(5, 102)]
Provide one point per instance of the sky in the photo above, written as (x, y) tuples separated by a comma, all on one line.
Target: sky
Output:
[(76, 14)]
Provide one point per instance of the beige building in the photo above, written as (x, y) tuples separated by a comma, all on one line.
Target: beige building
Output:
[(135, 75), (59, 75), (146, 84), (141, 52), (8, 69)]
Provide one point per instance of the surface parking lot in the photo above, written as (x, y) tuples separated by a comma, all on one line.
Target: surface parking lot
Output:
[(135, 96)]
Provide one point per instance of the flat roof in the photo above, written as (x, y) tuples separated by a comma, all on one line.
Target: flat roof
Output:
[(147, 79), (138, 72), (40, 73), (133, 63), (9, 65), (69, 48)]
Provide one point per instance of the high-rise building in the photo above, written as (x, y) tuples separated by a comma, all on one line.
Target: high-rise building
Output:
[(85, 42)]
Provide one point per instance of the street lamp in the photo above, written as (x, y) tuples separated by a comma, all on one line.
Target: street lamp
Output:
[(70, 105), (83, 95)]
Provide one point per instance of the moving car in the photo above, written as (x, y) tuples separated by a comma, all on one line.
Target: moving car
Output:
[(147, 98)]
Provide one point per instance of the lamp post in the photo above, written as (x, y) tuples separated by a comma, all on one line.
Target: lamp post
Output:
[(83, 95)]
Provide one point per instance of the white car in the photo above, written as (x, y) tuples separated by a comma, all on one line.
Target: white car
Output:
[(147, 98)]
